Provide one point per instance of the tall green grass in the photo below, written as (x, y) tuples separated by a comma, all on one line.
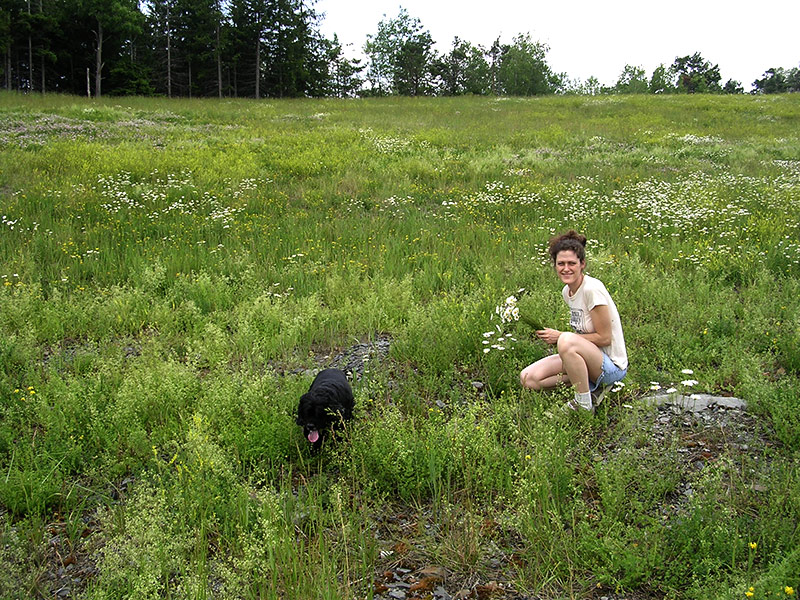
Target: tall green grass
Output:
[(171, 270)]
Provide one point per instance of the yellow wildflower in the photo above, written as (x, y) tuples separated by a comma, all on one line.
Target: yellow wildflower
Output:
[(789, 590), (753, 545)]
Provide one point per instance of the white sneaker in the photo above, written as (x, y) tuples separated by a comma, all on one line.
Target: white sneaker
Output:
[(574, 406), (599, 394)]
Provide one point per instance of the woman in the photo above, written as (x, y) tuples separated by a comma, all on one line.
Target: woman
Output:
[(592, 357)]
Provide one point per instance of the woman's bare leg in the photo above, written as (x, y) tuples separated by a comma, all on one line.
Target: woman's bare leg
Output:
[(545, 373), (581, 360)]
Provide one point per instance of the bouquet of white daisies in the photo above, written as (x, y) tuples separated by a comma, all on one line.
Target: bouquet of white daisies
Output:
[(509, 313)]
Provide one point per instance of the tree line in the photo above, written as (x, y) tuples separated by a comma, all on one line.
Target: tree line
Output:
[(274, 48)]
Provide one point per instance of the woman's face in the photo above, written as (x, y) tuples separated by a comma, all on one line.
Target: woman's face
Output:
[(569, 268)]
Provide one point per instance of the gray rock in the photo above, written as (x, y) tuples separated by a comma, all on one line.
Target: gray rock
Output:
[(695, 403), (441, 594)]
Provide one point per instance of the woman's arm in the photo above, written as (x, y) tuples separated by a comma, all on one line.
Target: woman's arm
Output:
[(601, 318)]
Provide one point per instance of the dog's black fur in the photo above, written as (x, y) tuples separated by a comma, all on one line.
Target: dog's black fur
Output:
[(326, 405)]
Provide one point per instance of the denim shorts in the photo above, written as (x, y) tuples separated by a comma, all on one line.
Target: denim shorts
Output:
[(609, 373)]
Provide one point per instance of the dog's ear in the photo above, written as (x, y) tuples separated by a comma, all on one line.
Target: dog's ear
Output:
[(302, 409)]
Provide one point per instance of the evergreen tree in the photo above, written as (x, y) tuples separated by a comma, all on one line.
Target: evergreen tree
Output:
[(288, 48), (696, 75), (112, 22), (5, 44), (74, 47), (246, 38), (160, 46), (733, 87), (793, 80), (14, 30), (773, 82), (198, 25)]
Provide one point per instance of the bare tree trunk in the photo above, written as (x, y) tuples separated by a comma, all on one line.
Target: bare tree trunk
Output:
[(30, 55), (258, 67), (30, 64), (219, 62), (169, 58), (99, 60), (41, 10)]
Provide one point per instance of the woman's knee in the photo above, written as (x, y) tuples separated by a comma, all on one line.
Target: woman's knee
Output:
[(567, 342), (529, 380)]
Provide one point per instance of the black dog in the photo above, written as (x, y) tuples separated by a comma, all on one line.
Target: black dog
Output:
[(328, 403)]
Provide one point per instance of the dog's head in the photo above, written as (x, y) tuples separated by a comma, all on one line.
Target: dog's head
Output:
[(315, 413)]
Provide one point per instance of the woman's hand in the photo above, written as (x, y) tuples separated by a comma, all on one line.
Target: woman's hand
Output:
[(548, 335)]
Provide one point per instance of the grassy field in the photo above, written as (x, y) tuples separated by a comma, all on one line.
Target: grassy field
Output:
[(172, 271)]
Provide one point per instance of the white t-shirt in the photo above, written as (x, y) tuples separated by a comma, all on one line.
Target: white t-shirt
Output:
[(593, 293)]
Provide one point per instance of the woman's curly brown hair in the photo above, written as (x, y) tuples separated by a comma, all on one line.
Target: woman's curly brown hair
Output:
[(571, 240)]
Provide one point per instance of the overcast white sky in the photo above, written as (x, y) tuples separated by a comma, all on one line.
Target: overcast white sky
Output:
[(598, 38)]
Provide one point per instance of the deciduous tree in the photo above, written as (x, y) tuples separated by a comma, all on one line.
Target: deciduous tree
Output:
[(342, 71), (632, 80), (523, 70), (400, 56), (660, 81), (464, 70)]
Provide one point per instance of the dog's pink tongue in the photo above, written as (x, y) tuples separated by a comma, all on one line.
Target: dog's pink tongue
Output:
[(313, 436)]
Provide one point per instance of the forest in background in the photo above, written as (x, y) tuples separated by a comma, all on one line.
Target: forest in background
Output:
[(275, 48)]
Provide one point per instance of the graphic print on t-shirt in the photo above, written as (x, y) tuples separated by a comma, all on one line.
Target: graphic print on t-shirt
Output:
[(576, 320)]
